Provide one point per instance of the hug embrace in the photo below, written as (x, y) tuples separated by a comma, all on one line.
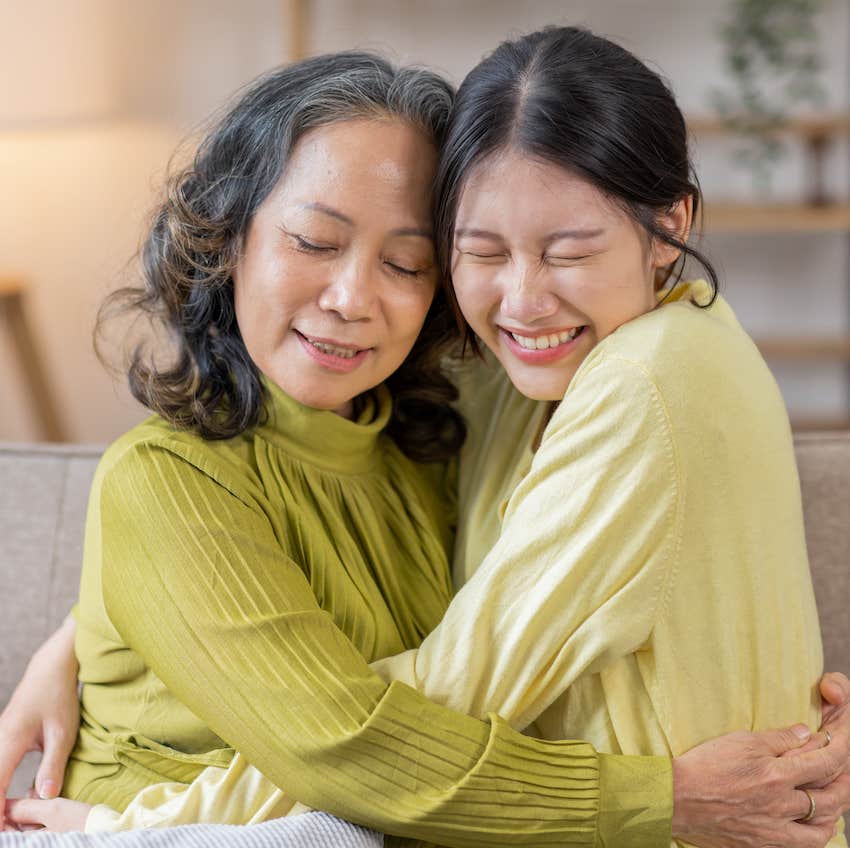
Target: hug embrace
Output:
[(463, 514)]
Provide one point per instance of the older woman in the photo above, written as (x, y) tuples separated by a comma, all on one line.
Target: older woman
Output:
[(239, 570)]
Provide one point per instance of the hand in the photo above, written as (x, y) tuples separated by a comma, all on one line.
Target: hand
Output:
[(835, 692), (835, 696), (738, 791), (42, 715), (57, 815)]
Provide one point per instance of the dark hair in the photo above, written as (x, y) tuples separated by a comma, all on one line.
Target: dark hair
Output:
[(569, 97), (212, 385)]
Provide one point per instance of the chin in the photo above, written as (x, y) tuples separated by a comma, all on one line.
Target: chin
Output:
[(537, 389), (316, 398)]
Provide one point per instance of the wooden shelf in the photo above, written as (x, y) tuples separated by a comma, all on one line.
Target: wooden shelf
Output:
[(806, 423), (776, 218), (805, 350), (817, 134), (814, 127), (13, 319), (10, 286)]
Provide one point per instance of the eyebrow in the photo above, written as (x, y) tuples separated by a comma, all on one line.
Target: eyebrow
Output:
[(462, 232), (330, 211), (412, 231), (573, 234), (335, 213)]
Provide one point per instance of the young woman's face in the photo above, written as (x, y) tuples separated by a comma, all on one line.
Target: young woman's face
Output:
[(337, 270), (545, 266)]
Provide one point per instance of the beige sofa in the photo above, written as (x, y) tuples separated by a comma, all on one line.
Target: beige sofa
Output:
[(43, 493)]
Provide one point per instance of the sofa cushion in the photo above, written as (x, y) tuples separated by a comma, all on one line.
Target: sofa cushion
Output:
[(824, 463), (44, 492)]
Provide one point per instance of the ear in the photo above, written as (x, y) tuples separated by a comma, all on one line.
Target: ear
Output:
[(676, 221)]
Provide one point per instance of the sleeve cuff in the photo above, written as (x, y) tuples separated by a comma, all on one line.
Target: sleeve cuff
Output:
[(400, 667), (102, 818), (635, 802)]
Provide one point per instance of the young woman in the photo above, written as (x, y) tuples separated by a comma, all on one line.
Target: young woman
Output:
[(199, 630)]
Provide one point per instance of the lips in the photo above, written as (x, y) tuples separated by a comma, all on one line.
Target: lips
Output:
[(546, 341), (542, 348), (331, 353)]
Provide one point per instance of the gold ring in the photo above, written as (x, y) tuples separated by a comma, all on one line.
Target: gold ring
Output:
[(812, 807), (828, 737)]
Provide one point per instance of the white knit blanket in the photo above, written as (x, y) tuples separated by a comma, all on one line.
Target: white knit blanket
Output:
[(310, 830)]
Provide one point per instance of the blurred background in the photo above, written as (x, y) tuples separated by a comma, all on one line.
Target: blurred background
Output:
[(95, 95)]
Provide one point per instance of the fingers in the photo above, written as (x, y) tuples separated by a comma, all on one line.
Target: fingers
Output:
[(814, 768), (810, 835), (24, 811), (827, 806), (785, 739), (807, 806), (835, 688), (818, 740), (51, 772)]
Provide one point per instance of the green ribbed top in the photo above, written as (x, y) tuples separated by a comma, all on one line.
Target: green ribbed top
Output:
[(232, 594)]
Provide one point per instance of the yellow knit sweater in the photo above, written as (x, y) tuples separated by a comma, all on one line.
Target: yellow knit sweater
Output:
[(649, 586)]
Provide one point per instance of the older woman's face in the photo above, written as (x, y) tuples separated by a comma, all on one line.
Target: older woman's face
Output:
[(545, 266), (338, 271)]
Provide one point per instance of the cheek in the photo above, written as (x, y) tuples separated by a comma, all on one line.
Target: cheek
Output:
[(406, 308), (273, 287), (266, 305), (476, 294), (608, 299)]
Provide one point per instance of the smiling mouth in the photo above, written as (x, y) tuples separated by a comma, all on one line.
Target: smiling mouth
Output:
[(546, 341), (332, 348)]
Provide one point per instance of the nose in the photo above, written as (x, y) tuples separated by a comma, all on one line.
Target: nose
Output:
[(353, 292), (526, 296)]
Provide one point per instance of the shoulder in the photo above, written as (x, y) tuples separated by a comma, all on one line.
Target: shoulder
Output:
[(696, 359), (161, 456), (682, 375)]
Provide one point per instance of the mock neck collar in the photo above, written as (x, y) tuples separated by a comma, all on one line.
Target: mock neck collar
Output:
[(697, 291), (323, 438)]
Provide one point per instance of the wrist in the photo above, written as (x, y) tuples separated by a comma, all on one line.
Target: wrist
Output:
[(58, 651), (679, 800), (682, 800)]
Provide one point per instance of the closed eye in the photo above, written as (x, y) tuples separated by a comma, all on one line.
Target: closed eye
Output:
[(478, 255), (567, 259), (310, 247), (401, 270)]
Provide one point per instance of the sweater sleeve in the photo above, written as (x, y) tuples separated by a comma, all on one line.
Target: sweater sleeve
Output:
[(581, 567), (195, 581)]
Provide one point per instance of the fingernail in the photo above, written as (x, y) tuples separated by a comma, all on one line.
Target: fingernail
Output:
[(47, 790), (801, 732)]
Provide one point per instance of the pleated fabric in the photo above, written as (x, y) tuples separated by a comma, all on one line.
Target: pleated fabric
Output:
[(232, 595)]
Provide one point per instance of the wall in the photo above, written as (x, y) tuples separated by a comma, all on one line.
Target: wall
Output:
[(112, 86), (795, 284)]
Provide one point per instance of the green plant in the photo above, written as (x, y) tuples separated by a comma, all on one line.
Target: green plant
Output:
[(772, 55)]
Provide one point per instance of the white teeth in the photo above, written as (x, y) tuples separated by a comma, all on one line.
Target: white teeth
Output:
[(343, 352), (545, 342)]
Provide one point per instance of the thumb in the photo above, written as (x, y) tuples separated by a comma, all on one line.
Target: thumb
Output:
[(51, 771), (835, 688), (784, 739)]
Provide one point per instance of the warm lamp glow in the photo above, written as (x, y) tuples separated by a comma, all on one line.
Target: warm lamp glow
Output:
[(56, 74)]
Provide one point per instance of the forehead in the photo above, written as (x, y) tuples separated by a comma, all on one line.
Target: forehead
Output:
[(527, 188), (379, 156)]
